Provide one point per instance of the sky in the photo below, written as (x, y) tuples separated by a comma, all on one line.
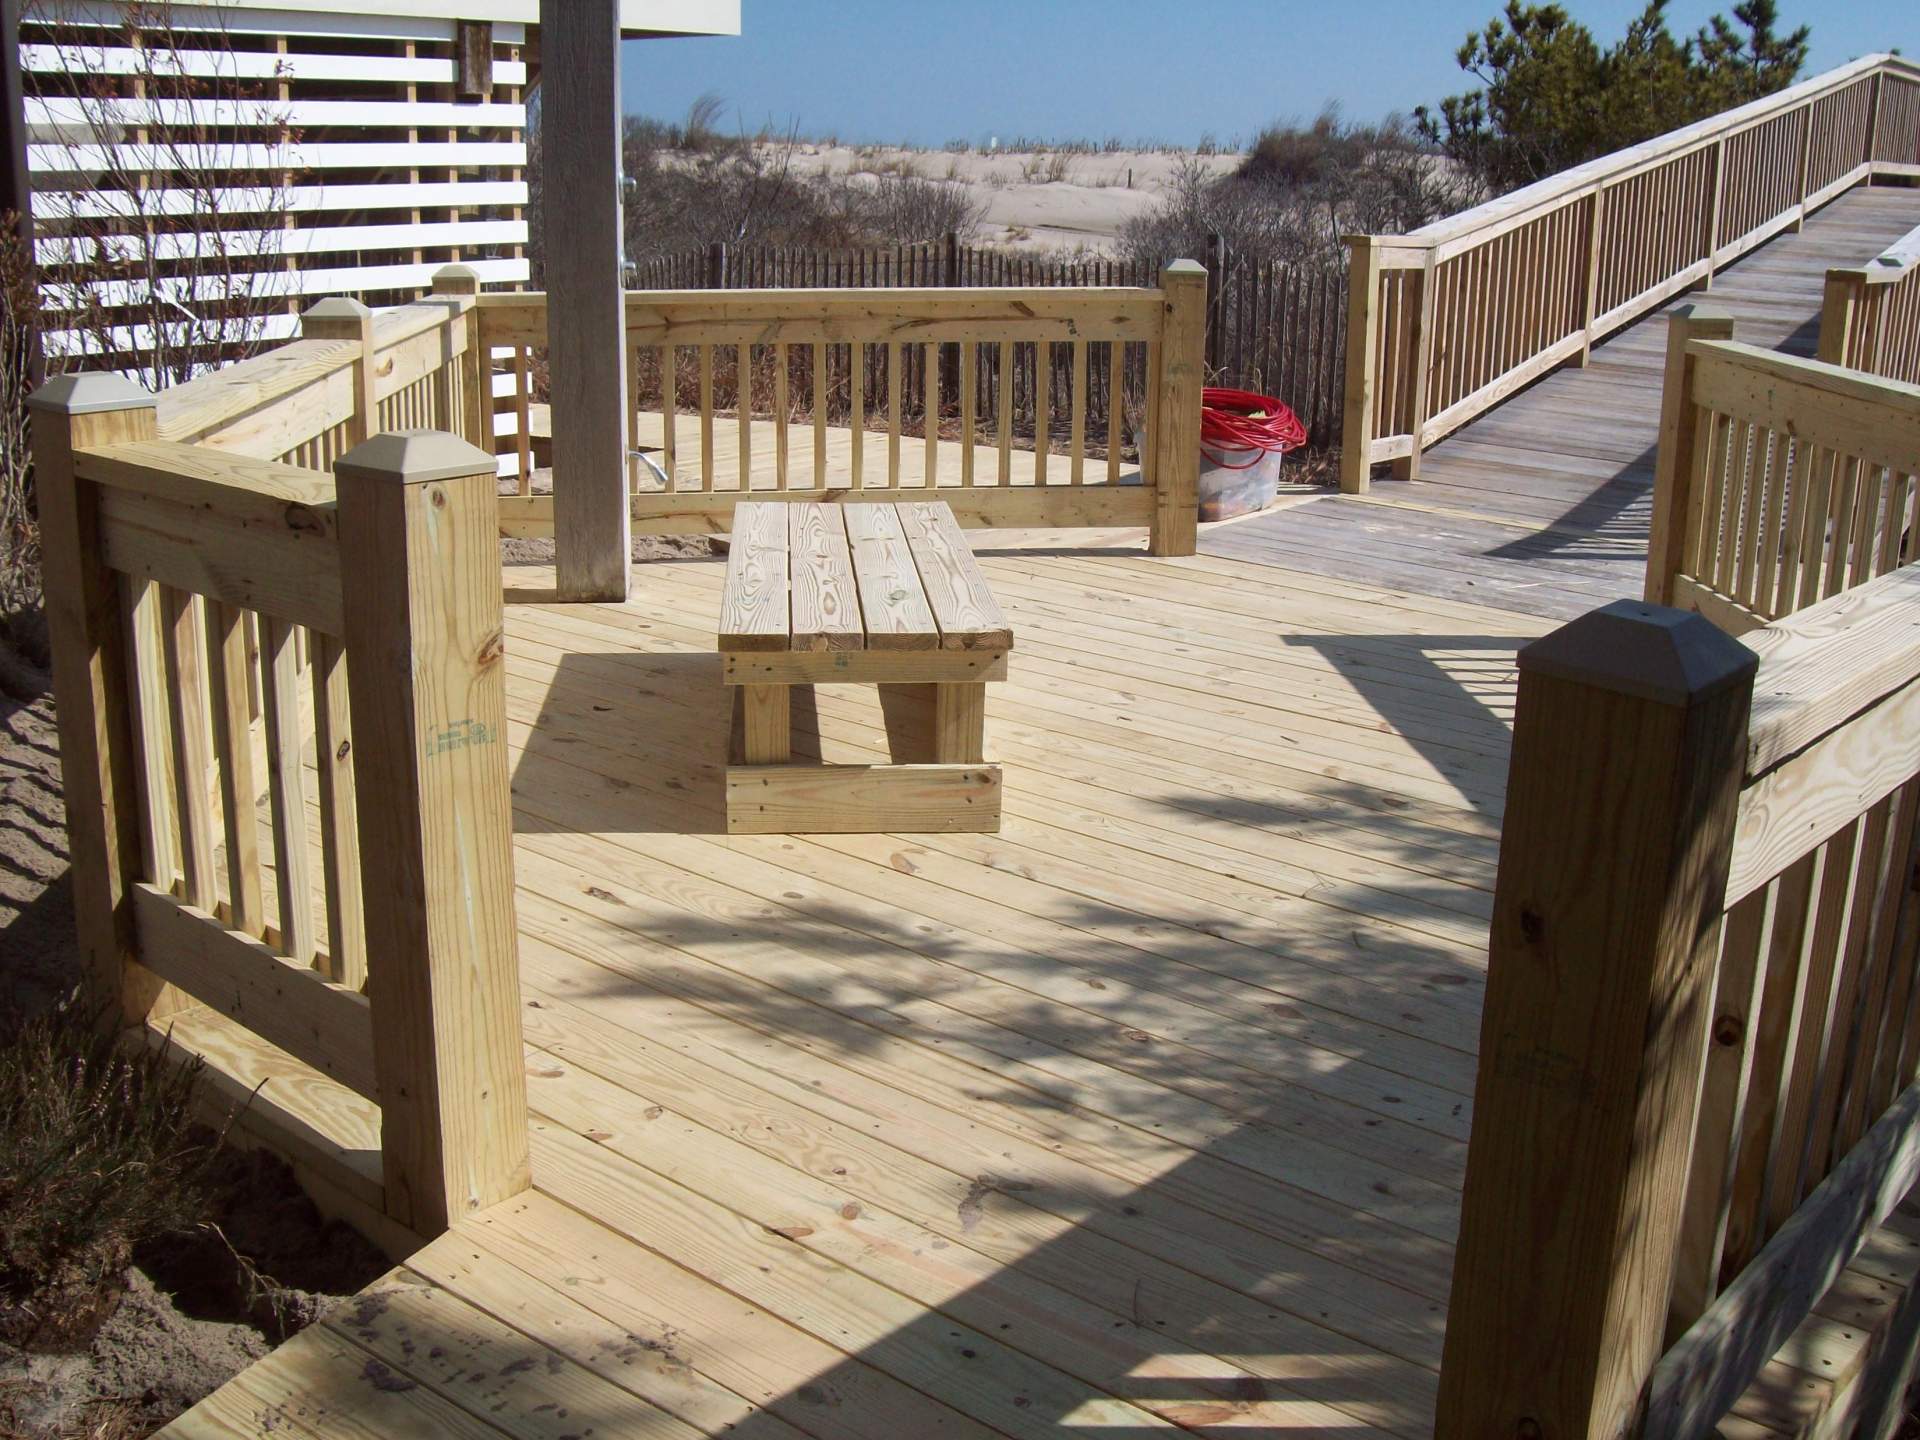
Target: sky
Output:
[(892, 71)]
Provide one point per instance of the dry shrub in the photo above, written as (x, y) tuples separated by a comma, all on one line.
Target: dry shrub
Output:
[(22, 621), (98, 1154)]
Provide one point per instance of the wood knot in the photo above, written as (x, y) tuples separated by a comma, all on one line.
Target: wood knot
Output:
[(346, 748), (1728, 1030), (437, 498), (492, 649), (1533, 925), (301, 519), (1528, 1428)]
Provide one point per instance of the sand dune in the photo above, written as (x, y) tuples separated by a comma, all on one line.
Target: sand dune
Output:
[(1038, 200)]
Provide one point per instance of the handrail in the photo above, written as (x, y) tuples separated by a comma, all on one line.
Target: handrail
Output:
[(1695, 1098), (299, 402), (1446, 322), (1870, 314), (1778, 481), (1593, 174)]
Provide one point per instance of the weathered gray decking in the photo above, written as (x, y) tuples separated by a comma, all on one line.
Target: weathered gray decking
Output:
[(1542, 504)]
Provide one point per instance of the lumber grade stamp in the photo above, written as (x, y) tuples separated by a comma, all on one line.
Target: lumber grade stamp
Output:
[(874, 594)]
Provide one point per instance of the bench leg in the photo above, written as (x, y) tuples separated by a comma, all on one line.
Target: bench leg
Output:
[(959, 724), (769, 724)]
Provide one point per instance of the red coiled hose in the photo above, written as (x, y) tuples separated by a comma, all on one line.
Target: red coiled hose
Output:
[(1241, 420)]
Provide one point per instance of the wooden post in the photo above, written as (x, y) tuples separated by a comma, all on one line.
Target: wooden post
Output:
[(1714, 199), (1595, 220), (1629, 742), (1408, 468), (1363, 316), (1675, 502), (586, 314), (460, 286), (90, 678), (473, 59), (1176, 470), (1873, 122), (338, 318), (420, 551), (716, 276), (1840, 313), (1806, 159)]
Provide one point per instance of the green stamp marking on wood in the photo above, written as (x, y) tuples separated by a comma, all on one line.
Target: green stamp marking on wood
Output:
[(460, 735)]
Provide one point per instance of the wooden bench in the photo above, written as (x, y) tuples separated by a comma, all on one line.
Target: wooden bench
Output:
[(860, 594)]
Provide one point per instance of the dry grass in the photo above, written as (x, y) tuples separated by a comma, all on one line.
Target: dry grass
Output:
[(98, 1154)]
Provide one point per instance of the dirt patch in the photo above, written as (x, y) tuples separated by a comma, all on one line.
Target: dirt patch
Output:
[(193, 1309)]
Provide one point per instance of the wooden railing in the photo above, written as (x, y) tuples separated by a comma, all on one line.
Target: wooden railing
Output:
[(985, 477), (225, 625), (1696, 1093), (1778, 481), (1446, 322), (1870, 314), (351, 374)]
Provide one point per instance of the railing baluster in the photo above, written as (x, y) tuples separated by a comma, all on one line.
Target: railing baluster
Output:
[(292, 874)]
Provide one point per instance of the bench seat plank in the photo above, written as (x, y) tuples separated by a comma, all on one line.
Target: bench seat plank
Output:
[(893, 602), (968, 615), (826, 603), (754, 607)]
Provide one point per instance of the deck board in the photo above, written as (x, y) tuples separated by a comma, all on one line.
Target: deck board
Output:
[(1147, 1113)]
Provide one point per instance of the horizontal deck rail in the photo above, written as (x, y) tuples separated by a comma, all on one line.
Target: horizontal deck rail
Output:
[(816, 352), (1446, 322), (1778, 481), (223, 624), (1870, 314), (1696, 1095)]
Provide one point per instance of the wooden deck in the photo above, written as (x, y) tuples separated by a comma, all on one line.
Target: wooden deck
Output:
[(1542, 504), (1151, 1110)]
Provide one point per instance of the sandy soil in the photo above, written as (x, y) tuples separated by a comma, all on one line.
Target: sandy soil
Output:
[(193, 1314), (1035, 200)]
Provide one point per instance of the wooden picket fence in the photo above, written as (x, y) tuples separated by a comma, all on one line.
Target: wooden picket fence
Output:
[(1447, 322), (254, 595), (1273, 328)]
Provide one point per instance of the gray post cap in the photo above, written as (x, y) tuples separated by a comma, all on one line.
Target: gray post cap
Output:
[(91, 394), (414, 457), (1672, 657), (335, 307)]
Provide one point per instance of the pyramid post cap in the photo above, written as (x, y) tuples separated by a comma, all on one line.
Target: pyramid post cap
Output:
[(93, 393), (335, 307), (1671, 657), (414, 457)]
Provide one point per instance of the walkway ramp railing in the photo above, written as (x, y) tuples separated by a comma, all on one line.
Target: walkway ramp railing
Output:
[(244, 645), (1696, 1093), (1870, 314), (1445, 323), (1779, 481)]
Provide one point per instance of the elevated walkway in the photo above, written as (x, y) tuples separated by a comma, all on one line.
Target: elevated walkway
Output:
[(1541, 505)]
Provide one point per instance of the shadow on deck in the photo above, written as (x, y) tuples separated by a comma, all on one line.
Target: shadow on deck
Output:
[(1149, 1111)]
